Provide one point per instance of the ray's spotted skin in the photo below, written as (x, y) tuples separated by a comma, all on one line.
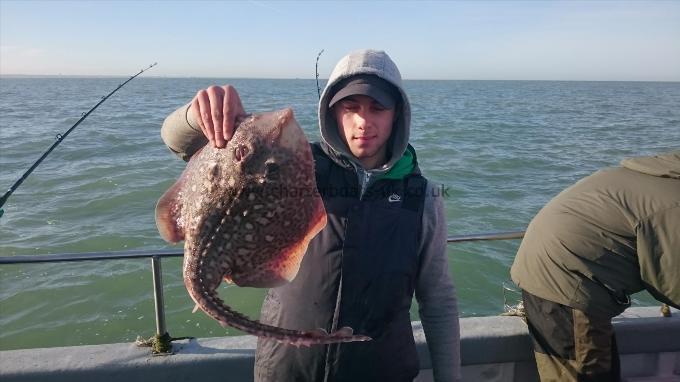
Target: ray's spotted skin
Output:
[(246, 214)]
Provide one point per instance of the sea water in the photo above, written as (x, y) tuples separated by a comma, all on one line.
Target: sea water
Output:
[(498, 149)]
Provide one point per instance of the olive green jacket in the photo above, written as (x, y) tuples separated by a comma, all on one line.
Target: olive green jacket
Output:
[(613, 233)]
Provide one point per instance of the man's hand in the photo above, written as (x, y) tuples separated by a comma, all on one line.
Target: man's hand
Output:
[(217, 108)]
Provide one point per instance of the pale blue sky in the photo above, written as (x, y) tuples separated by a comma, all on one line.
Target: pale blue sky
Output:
[(579, 40)]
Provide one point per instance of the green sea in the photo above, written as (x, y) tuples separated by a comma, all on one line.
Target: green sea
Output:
[(501, 149)]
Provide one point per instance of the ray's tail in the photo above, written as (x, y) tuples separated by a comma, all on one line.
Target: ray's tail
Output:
[(208, 300)]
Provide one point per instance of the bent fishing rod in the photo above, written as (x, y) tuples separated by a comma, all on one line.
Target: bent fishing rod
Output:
[(60, 137)]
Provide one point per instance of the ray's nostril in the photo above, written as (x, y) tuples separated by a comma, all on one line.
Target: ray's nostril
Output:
[(240, 151)]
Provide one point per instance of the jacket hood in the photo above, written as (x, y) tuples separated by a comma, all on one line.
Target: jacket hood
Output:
[(377, 63), (664, 165)]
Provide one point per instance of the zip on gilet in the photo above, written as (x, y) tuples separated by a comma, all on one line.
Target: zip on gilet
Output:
[(359, 271)]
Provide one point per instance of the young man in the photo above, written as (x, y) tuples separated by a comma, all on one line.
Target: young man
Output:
[(385, 239), (612, 234)]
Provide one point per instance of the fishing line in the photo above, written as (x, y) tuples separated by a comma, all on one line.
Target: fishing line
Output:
[(59, 138), (318, 88)]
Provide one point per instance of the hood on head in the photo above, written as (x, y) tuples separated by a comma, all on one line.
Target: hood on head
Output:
[(377, 63), (664, 165)]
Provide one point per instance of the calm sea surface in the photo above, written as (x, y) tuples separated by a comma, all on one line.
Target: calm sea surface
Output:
[(500, 148)]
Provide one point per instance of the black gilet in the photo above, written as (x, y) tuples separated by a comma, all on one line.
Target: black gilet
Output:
[(359, 271)]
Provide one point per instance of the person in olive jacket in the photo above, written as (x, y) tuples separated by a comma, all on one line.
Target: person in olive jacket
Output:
[(612, 234)]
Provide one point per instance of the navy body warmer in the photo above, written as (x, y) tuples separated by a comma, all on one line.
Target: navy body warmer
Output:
[(359, 271)]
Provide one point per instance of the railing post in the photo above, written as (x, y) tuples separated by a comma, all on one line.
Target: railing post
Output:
[(158, 295)]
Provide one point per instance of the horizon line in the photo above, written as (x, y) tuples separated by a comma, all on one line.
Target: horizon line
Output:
[(14, 75)]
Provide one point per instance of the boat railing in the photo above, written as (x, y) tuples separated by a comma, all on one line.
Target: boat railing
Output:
[(158, 254)]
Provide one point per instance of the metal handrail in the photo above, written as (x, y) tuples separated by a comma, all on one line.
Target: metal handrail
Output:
[(89, 256), (137, 254), (486, 236), (156, 256)]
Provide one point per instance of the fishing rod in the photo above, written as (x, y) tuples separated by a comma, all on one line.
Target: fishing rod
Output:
[(60, 137)]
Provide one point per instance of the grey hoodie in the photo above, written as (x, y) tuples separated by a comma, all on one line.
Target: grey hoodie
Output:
[(608, 236), (435, 292)]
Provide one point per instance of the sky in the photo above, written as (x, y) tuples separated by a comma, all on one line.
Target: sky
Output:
[(480, 40)]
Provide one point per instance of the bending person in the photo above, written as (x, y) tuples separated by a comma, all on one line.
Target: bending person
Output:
[(612, 234)]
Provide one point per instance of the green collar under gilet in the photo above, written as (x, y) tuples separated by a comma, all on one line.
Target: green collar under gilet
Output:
[(403, 167)]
